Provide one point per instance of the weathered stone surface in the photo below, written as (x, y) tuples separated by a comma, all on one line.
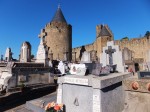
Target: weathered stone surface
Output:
[(137, 93), (113, 56), (25, 55), (59, 39), (8, 55), (96, 69), (38, 105), (86, 57), (92, 93), (42, 56)]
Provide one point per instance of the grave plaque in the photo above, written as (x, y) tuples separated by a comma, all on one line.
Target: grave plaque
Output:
[(78, 69), (76, 81)]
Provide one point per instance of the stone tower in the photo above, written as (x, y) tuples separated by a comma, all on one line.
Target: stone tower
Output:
[(59, 37), (103, 35)]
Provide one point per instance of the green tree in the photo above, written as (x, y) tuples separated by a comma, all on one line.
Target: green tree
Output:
[(147, 34), (125, 38)]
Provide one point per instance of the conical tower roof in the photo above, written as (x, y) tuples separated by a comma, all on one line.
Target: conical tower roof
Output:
[(104, 31), (59, 17)]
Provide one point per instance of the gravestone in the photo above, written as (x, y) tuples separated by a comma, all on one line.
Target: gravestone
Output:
[(110, 51), (147, 66), (25, 55), (127, 53), (112, 55), (92, 93), (61, 67), (85, 57), (8, 55), (65, 56), (42, 55), (74, 56), (93, 55), (96, 69), (106, 70)]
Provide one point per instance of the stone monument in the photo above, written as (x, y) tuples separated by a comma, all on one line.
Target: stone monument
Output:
[(92, 93), (8, 55), (42, 55), (85, 57), (112, 55), (25, 52), (93, 54), (61, 67)]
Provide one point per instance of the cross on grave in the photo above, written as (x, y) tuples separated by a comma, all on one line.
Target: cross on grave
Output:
[(42, 34), (109, 52)]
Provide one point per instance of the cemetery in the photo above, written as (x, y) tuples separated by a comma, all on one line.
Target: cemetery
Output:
[(102, 79), (90, 83)]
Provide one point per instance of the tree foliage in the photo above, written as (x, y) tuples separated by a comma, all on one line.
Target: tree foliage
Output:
[(125, 38), (147, 34)]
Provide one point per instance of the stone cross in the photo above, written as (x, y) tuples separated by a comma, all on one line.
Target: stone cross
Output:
[(42, 36), (109, 52)]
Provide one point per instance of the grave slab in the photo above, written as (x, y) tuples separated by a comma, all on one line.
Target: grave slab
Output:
[(38, 105)]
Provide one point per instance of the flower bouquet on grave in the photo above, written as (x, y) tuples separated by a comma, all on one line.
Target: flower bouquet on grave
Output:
[(54, 107)]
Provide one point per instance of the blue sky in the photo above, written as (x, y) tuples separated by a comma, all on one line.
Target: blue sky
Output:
[(22, 20)]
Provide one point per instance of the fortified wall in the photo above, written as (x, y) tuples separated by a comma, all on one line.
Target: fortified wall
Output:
[(138, 46), (103, 35)]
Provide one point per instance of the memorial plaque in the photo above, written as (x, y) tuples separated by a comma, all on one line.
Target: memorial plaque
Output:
[(79, 81)]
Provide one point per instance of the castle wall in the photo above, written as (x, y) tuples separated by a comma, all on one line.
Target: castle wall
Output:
[(98, 44), (88, 47), (139, 46)]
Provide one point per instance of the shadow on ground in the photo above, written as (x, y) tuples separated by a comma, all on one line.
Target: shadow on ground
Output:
[(20, 98)]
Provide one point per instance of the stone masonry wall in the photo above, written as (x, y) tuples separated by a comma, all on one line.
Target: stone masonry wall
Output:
[(139, 46), (59, 39)]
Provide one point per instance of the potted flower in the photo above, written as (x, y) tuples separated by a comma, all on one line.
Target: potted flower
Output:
[(54, 107)]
